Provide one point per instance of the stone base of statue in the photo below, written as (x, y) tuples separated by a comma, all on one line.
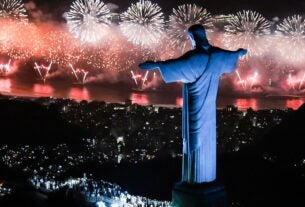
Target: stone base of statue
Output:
[(199, 195)]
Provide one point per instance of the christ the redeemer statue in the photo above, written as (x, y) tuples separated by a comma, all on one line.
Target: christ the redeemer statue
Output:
[(199, 70)]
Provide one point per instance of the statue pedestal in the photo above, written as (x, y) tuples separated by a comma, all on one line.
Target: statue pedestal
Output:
[(199, 195)]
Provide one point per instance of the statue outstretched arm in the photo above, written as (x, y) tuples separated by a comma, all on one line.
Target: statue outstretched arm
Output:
[(225, 60), (241, 52), (171, 70), (186, 68), (149, 65)]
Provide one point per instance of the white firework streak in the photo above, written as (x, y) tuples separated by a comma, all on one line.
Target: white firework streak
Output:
[(302, 81), (42, 68), (182, 18), (73, 71), (242, 82), (145, 78), (79, 73), (13, 9), (253, 79), (291, 38), (245, 30), (134, 77), (143, 23), (88, 19), (5, 68), (85, 74)]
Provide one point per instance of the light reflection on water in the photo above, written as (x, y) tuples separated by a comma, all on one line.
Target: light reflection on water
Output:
[(243, 103), (139, 98), (5, 85), (294, 103), (44, 90), (78, 92)]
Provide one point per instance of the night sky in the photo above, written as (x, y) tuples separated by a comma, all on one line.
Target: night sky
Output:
[(268, 8)]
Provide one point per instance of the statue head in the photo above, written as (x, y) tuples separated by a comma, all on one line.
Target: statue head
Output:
[(198, 37)]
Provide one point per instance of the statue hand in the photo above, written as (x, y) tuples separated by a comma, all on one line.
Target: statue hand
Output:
[(242, 52), (149, 65)]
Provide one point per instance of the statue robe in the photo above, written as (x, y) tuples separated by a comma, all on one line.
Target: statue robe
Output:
[(199, 70)]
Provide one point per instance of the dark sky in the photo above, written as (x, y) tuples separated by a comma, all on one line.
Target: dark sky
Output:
[(269, 8)]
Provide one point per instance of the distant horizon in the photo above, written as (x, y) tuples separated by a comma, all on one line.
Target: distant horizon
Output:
[(242, 103)]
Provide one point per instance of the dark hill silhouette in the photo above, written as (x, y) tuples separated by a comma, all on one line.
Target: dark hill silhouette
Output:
[(27, 122), (265, 174), (250, 178), (287, 140)]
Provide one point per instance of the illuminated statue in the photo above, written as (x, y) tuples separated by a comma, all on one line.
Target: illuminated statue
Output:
[(199, 70)]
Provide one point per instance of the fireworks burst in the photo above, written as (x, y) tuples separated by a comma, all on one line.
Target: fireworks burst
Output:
[(292, 38), (143, 23), (240, 80), (145, 79), (112, 57), (295, 82), (245, 30), (59, 47), (249, 82), (5, 68), (43, 70), (293, 28), (79, 74), (19, 41), (88, 20), (182, 18), (302, 82), (13, 9), (135, 77), (149, 82), (291, 81), (253, 79)]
